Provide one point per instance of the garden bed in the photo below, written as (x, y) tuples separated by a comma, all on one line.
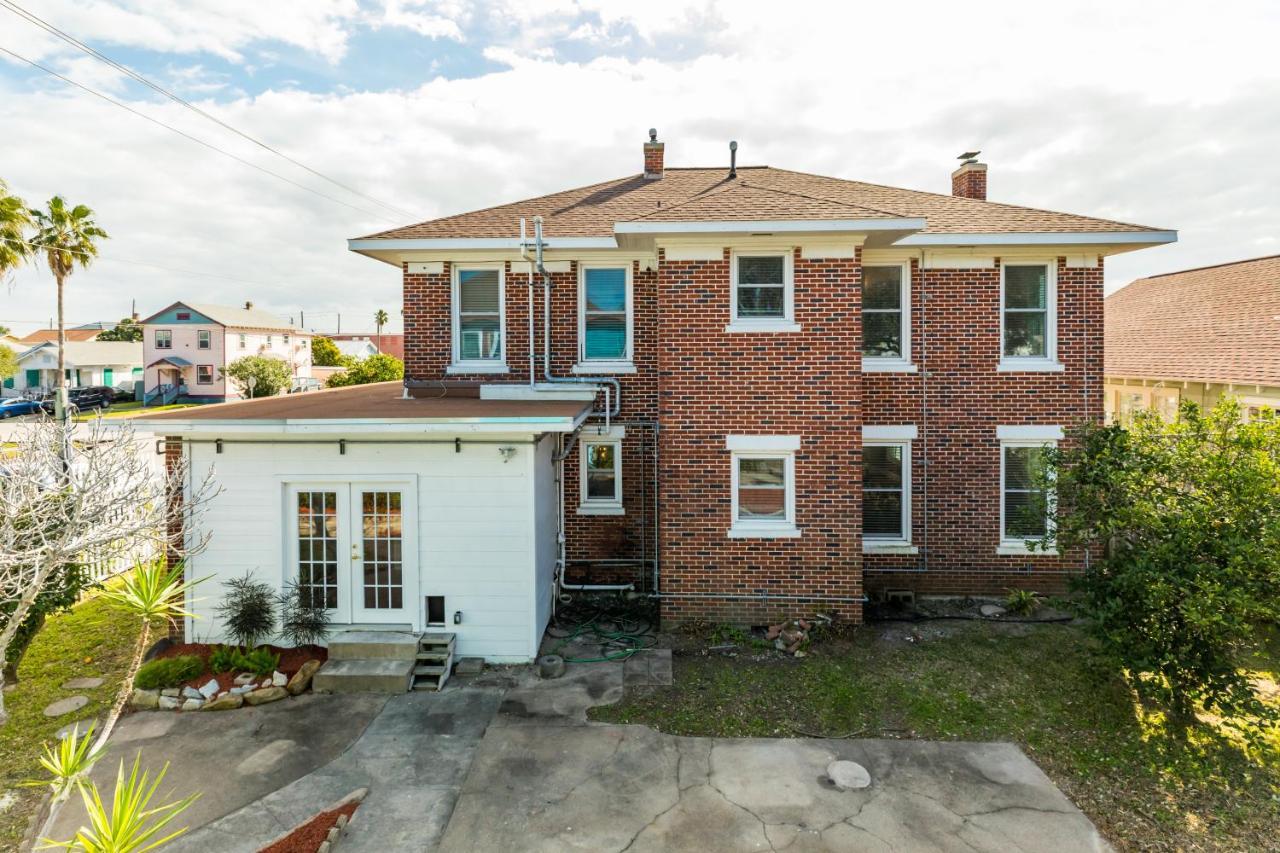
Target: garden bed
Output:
[(291, 660), (312, 835)]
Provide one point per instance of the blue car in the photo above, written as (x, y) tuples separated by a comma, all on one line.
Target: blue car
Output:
[(13, 408)]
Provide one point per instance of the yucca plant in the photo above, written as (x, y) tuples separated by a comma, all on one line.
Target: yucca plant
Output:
[(69, 762), (131, 824)]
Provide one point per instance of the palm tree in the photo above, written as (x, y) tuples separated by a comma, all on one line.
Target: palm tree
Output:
[(69, 237), (380, 319), (15, 219)]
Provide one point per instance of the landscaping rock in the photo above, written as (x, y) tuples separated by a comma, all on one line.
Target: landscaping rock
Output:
[(243, 689), (192, 704), (991, 610), (264, 695), (145, 700), (66, 706), (210, 689), (302, 678), (279, 679), (225, 702), (244, 678), (192, 693), (848, 775), (168, 703), (171, 691), (71, 727), (82, 683)]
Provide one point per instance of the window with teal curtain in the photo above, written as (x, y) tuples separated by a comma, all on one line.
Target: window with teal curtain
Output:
[(479, 315), (604, 315)]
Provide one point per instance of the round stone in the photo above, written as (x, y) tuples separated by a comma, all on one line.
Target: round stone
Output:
[(66, 706), (71, 727), (848, 775), (82, 684)]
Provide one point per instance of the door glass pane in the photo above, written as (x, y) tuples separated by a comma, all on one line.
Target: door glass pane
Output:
[(317, 514), (381, 532)]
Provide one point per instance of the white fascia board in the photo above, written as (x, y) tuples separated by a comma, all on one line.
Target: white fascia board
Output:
[(904, 432), (1029, 433), (409, 244), (761, 443), (362, 427), (1041, 238), (819, 226)]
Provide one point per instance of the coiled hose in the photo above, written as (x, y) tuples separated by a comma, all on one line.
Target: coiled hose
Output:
[(614, 625)]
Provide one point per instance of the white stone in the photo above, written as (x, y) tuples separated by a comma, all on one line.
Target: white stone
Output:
[(848, 775), (192, 704), (243, 689), (171, 692), (279, 679), (245, 678), (991, 610), (191, 693), (168, 703), (210, 689)]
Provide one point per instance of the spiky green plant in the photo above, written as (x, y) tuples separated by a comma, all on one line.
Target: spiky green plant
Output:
[(131, 824), (69, 762)]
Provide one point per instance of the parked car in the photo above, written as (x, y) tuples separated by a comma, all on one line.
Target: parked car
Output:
[(15, 407), (122, 395), (92, 397), (305, 383)]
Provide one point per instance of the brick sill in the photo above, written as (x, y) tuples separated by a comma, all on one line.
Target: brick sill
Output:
[(455, 369), (603, 368), (585, 509), (1030, 367), (763, 328), (874, 365), (1018, 549), (889, 548)]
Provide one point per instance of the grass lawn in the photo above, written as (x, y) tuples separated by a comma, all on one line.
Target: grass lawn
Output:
[(132, 409), (980, 682), (92, 640)]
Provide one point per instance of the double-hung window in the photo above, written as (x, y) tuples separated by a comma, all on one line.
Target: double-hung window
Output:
[(243, 341), (604, 317), (601, 478), (886, 317), (886, 488), (204, 339), (478, 344), (164, 339), (762, 285), (1026, 501), (763, 486), (204, 374), (1028, 325)]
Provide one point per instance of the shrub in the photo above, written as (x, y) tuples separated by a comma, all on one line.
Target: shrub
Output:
[(168, 672), (1023, 602), (248, 611), (223, 659), (375, 368), (231, 659), (271, 375), (304, 620)]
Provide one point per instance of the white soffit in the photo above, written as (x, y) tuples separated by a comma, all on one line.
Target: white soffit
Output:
[(426, 267), (694, 253), (936, 260)]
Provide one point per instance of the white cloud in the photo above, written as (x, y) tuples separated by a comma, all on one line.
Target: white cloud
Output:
[(1088, 109)]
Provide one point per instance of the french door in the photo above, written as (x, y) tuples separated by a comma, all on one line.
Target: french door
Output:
[(353, 549)]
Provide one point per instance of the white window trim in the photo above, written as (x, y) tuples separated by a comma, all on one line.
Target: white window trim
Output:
[(785, 323), (764, 447), (1048, 363), (487, 365), (893, 544), (1024, 436), (155, 339), (212, 374), (204, 339), (602, 365), (902, 363), (244, 341), (601, 506)]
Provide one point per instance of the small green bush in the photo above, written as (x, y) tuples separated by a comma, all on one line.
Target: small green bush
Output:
[(248, 611), (223, 659), (1023, 602), (168, 672), (232, 659), (304, 620)]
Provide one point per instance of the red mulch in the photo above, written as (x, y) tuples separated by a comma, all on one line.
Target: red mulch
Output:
[(291, 660), (308, 837)]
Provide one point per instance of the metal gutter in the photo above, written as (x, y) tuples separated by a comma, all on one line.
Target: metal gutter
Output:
[(1041, 238), (771, 225)]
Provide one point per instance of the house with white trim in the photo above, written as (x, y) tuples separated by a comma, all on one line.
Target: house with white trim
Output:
[(115, 364)]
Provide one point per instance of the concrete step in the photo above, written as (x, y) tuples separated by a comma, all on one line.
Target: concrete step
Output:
[(373, 645), (429, 670), (426, 656), (364, 676), (437, 641)]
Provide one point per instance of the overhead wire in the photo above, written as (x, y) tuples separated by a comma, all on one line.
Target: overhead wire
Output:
[(34, 19)]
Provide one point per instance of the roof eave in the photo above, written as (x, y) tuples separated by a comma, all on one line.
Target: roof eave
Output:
[(1128, 239), (360, 426), (773, 226)]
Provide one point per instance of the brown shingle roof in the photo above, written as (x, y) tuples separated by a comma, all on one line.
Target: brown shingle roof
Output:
[(381, 401), (1212, 324), (759, 192), (41, 336)]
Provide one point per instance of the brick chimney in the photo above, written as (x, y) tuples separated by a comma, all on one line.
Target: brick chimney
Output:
[(653, 157), (970, 180)]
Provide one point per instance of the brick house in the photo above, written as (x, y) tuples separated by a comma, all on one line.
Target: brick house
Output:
[(794, 391)]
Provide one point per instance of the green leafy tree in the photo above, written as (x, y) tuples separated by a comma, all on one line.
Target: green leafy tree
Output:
[(380, 319), (1184, 519), (375, 368), (15, 221), (126, 330), (271, 375), (325, 353), (68, 237), (8, 362)]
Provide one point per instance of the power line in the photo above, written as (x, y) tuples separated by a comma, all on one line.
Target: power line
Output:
[(74, 42), (194, 139)]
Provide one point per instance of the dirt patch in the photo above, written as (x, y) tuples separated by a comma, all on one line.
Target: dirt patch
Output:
[(308, 837), (291, 660)]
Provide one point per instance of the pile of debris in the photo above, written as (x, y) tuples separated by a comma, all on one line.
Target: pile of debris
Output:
[(794, 635)]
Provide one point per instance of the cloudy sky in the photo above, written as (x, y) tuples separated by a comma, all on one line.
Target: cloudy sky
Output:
[(1161, 113)]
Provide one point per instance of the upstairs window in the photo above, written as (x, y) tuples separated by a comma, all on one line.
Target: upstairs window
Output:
[(762, 292), (244, 342), (269, 341), (285, 340), (886, 315), (477, 317), (1027, 325), (164, 339), (204, 339), (605, 314)]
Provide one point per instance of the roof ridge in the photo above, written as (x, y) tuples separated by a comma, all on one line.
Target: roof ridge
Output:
[(1205, 267), (702, 196)]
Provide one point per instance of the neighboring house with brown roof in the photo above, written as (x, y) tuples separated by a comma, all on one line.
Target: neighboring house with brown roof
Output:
[(87, 332), (759, 394), (1195, 335)]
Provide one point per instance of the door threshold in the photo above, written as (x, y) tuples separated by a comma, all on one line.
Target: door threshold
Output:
[(396, 627)]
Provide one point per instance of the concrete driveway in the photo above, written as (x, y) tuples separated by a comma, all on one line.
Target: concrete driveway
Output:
[(507, 762)]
